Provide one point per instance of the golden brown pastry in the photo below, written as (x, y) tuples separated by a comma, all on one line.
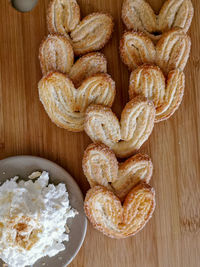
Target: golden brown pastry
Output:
[(101, 167), (88, 35), (167, 94), (126, 137), (106, 213), (66, 105), (87, 66), (171, 51), (136, 48), (92, 33), (56, 54), (63, 16), (138, 15)]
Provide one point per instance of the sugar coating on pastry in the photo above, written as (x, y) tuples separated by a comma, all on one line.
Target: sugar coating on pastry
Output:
[(139, 15), (66, 105), (166, 93), (175, 86), (87, 66), (175, 13), (92, 33), (171, 51), (63, 16), (56, 54), (101, 167), (136, 48), (136, 169), (128, 135), (149, 81), (106, 213)]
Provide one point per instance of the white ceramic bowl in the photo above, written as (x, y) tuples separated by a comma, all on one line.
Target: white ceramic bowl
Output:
[(24, 166)]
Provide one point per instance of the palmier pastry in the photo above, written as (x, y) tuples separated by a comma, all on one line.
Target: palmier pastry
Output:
[(87, 66), (66, 105), (167, 94), (106, 213), (138, 15), (101, 167), (56, 54), (171, 52), (63, 16), (126, 137), (90, 34)]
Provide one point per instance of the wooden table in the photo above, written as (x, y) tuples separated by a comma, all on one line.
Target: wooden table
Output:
[(171, 238)]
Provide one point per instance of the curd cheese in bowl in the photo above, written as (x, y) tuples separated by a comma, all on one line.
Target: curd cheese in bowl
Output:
[(33, 217)]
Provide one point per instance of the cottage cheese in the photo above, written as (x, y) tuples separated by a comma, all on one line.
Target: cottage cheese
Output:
[(33, 216)]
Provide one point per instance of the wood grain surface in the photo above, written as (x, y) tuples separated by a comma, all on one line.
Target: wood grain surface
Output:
[(172, 237)]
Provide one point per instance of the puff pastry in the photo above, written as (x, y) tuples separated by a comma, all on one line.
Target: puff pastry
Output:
[(88, 35), (138, 15), (126, 137), (87, 66), (167, 94), (106, 213), (92, 33), (56, 54), (66, 105), (101, 167), (171, 51), (63, 16)]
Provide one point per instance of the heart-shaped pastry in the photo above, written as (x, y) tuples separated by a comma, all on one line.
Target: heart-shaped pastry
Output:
[(56, 54), (101, 167), (166, 93), (128, 135), (106, 213), (171, 51), (138, 15), (66, 105), (90, 34)]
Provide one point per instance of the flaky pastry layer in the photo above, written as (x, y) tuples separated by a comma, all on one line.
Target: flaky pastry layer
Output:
[(56, 54), (66, 105), (92, 33), (171, 51), (166, 93), (87, 66), (106, 213), (128, 135), (139, 16), (101, 167), (88, 35)]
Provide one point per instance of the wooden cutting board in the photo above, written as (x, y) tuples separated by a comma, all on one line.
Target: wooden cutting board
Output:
[(172, 237)]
